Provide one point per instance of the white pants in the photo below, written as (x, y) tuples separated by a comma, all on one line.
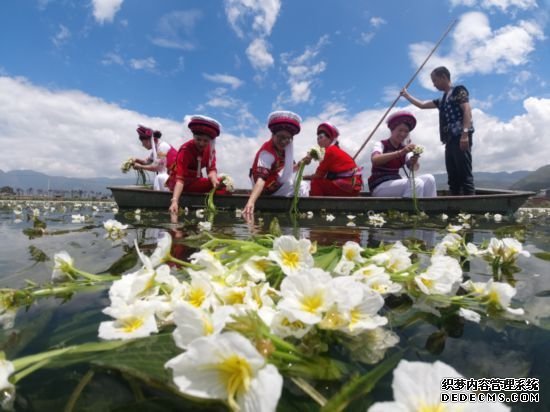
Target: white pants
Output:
[(287, 189), (160, 180), (425, 187)]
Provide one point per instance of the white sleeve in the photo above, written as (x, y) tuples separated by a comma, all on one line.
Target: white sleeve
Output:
[(377, 148), (265, 159)]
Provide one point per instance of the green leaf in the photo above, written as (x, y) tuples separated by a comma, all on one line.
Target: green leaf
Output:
[(542, 255), (123, 264), (37, 254), (360, 385)]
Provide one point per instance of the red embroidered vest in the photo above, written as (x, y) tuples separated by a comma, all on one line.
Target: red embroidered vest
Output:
[(388, 171), (269, 175)]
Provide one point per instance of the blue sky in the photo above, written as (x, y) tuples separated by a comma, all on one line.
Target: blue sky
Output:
[(77, 76)]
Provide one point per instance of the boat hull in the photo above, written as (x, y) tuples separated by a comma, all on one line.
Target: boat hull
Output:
[(486, 200)]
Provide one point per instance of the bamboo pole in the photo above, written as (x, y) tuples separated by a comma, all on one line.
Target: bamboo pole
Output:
[(406, 86)]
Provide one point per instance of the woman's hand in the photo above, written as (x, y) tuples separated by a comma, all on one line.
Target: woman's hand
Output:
[(174, 206), (306, 160), (248, 210), (408, 148)]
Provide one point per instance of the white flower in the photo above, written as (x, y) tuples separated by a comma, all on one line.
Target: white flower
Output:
[(284, 324), (199, 213), (330, 217), (193, 323), (351, 224), (351, 251), (131, 321), (417, 387), (367, 271), (371, 345), (395, 259), (115, 229), (382, 284), (317, 153), (291, 254), (451, 241), (441, 277), (256, 266), (162, 251), (126, 165), (343, 267), (307, 295), (498, 294), (227, 181), (205, 226), (507, 250), (469, 315), (63, 266), (355, 309), (497, 217), (228, 367), (376, 220), (309, 214), (455, 228), (350, 217), (418, 150), (444, 216)]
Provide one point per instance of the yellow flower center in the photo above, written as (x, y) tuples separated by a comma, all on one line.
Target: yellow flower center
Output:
[(295, 325), (291, 259), (196, 297), (262, 265), (332, 320), (235, 297), (428, 282), (355, 317), (236, 374), (207, 326), (431, 408), (131, 324), (312, 303), (350, 254)]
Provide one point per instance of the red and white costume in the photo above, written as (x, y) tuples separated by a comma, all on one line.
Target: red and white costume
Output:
[(190, 161), (337, 173), (277, 169)]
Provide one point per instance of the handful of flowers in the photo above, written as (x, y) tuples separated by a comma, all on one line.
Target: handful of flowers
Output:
[(225, 181), (126, 165), (317, 153), (418, 150)]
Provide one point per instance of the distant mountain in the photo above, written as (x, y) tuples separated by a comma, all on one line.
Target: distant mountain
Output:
[(40, 182), (535, 181), (499, 180)]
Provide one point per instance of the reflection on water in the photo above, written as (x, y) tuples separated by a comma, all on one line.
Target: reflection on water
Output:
[(492, 349)]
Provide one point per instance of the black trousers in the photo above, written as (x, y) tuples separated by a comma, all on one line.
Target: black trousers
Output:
[(459, 167)]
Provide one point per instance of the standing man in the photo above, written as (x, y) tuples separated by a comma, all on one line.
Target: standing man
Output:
[(456, 129)]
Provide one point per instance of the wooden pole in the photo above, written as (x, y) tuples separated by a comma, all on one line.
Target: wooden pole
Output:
[(406, 86)]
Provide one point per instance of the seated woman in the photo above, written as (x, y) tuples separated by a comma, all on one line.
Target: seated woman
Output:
[(389, 155), (337, 173), (161, 160), (193, 156), (272, 172)]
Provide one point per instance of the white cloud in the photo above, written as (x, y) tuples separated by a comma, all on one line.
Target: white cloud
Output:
[(259, 56), (377, 21), (61, 36), (105, 10), (112, 58), (263, 14), (143, 64), (174, 29), (75, 134), (232, 81), (302, 71), (476, 48), (503, 5), (366, 37)]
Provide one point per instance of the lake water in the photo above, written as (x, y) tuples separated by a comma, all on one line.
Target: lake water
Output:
[(495, 347)]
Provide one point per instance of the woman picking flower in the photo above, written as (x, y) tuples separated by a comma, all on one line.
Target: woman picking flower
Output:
[(389, 155), (193, 156), (272, 172), (337, 173)]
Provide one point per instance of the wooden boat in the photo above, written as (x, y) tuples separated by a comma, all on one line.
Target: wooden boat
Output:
[(485, 200)]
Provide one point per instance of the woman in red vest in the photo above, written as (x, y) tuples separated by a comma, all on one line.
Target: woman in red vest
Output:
[(193, 156), (337, 173), (390, 155), (161, 160), (272, 172)]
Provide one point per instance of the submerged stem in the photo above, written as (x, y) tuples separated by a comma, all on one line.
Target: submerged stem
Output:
[(78, 390)]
